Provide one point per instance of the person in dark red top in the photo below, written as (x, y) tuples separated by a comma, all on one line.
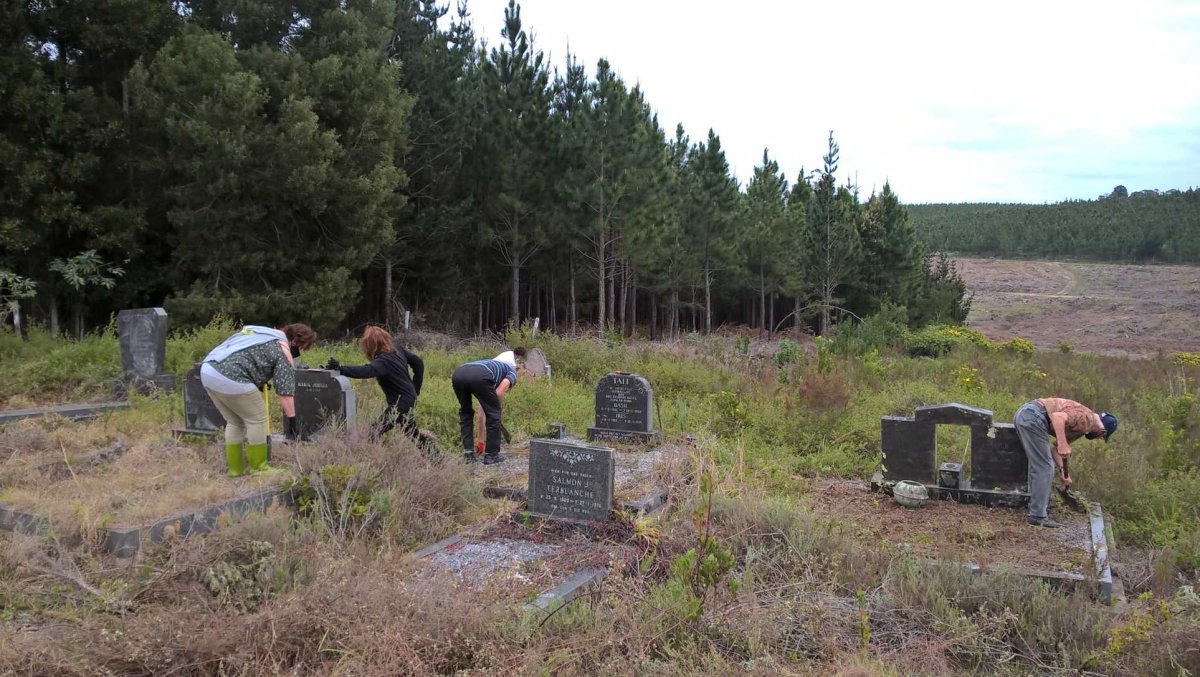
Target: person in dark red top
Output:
[(389, 366), (1066, 421)]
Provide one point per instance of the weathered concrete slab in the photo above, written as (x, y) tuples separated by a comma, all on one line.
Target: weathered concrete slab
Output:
[(22, 522), (439, 546), (569, 589), (74, 412)]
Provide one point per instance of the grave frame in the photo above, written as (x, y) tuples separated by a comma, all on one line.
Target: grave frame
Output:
[(127, 541)]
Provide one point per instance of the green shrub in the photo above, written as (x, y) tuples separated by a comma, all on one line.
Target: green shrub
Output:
[(1017, 345), (789, 352)]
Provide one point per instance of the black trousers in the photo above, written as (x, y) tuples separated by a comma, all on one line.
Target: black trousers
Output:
[(401, 414), (474, 379)]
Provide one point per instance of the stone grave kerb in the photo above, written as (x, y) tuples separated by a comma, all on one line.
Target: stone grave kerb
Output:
[(624, 410), (571, 480)]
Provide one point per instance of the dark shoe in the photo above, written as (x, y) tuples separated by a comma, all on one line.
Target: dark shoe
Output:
[(469, 456), (492, 459), (1045, 522)]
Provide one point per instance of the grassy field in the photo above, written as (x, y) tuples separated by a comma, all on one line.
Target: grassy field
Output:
[(739, 575)]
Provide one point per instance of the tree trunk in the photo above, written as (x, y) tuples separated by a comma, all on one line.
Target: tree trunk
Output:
[(762, 297), (653, 315), (771, 322), (514, 320), (622, 317), (603, 278), (79, 321), (796, 313), (611, 299), (707, 300), (673, 316), (479, 326), (389, 313), (553, 305), (54, 328), (632, 304), (572, 311)]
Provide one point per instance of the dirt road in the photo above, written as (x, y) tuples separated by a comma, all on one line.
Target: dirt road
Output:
[(1097, 308)]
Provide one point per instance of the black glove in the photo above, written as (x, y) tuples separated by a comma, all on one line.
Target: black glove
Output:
[(290, 430), (333, 364)]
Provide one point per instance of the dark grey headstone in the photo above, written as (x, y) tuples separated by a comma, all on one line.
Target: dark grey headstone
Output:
[(998, 460), (143, 337), (324, 400), (909, 450), (624, 409), (536, 364), (571, 480), (200, 415)]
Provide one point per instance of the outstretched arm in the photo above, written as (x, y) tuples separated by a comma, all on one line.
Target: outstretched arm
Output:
[(418, 370)]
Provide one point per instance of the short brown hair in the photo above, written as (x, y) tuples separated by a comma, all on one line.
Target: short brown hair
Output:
[(300, 334), (519, 351), (375, 341)]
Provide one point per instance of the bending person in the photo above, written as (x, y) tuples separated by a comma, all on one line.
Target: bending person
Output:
[(234, 374), (389, 366), (488, 381)]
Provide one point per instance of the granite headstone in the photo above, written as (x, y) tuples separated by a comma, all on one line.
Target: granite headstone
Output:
[(570, 480), (624, 409), (324, 400), (142, 334), (536, 364), (200, 416)]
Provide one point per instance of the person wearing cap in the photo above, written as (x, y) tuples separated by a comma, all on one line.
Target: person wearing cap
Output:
[(1066, 421), (488, 381)]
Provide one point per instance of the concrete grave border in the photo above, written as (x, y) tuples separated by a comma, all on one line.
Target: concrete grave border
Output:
[(128, 541), (1106, 588), (73, 412)]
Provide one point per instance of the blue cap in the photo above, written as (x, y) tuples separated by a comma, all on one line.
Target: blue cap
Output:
[(1110, 424)]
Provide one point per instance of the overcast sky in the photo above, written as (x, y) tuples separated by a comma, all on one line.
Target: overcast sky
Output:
[(955, 101)]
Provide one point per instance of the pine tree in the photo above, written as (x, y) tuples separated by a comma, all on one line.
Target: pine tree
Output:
[(833, 252), (766, 199), (517, 92), (708, 213), (893, 270)]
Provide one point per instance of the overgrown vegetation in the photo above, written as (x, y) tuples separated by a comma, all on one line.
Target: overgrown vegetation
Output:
[(738, 576)]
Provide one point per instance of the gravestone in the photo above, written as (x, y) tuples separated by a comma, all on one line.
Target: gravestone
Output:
[(536, 364), (624, 409), (324, 400), (200, 416), (570, 480), (999, 469), (142, 334)]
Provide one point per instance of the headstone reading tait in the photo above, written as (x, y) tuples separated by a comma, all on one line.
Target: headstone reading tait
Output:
[(570, 480), (624, 409), (142, 334)]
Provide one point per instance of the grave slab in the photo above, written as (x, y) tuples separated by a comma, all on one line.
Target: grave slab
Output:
[(624, 410), (74, 412), (569, 589), (571, 480)]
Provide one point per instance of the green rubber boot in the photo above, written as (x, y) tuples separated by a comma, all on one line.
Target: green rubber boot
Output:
[(233, 458), (256, 454)]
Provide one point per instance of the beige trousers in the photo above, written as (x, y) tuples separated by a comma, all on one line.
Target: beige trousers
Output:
[(245, 417)]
